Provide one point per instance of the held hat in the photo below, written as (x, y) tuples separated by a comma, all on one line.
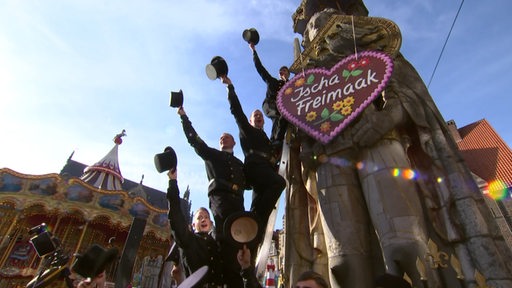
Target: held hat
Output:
[(176, 99), (166, 160), (217, 67), (242, 228), (251, 35), (94, 261)]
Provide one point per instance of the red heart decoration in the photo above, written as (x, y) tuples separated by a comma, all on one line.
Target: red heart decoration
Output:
[(323, 102)]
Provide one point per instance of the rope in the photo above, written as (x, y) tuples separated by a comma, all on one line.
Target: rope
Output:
[(354, 35), (446, 41)]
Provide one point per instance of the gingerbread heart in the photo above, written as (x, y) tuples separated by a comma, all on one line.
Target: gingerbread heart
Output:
[(323, 102)]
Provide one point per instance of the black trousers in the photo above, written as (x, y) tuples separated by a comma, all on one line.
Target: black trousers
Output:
[(223, 204), (267, 187)]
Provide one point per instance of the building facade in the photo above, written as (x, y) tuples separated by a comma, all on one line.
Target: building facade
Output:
[(490, 160), (81, 206)]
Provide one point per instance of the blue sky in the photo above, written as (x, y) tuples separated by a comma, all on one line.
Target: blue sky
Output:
[(75, 73)]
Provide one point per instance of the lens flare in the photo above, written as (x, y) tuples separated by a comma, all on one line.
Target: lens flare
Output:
[(497, 190), (338, 161), (407, 174)]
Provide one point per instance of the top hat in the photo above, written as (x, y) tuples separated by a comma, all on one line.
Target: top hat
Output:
[(94, 261), (166, 160), (194, 278), (242, 228), (217, 67), (176, 100), (251, 36), (391, 281)]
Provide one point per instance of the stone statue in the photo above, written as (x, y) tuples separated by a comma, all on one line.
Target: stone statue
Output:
[(390, 193)]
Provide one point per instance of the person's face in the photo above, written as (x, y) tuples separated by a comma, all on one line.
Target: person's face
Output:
[(202, 222), (284, 74), (307, 284), (257, 119), (226, 141)]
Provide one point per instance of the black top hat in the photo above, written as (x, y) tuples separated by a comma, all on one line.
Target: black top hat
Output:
[(391, 281), (94, 261), (251, 36), (242, 228), (166, 161), (176, 100), (217, 67)]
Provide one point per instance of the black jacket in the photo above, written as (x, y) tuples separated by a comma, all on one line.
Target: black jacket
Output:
[(199, 249), (273, 86), (255, 143), (249, 276), (219, 164)]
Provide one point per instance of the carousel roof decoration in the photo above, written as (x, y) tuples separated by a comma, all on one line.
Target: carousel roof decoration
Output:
[(186, 195), (138, 191), (105, 174)]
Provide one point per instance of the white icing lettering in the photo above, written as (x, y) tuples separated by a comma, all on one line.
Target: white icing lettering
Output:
[(304, 102), (371, 77), (301, 105), (349, 88)]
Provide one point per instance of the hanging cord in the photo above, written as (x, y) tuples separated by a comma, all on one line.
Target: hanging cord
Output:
[(302, 65), (354, 35), (446, 41), (298, 54)]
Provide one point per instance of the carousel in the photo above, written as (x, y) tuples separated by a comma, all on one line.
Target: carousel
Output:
[(50, 220)]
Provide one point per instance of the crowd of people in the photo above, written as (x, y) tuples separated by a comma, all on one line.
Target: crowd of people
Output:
[(204, 242), (207, 243)]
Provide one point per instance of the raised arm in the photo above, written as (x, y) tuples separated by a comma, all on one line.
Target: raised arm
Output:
[(235, 106), (259, 66), (179, 227), (192, 137)]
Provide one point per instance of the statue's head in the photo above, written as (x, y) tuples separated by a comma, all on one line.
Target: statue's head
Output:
[(308, 8)]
